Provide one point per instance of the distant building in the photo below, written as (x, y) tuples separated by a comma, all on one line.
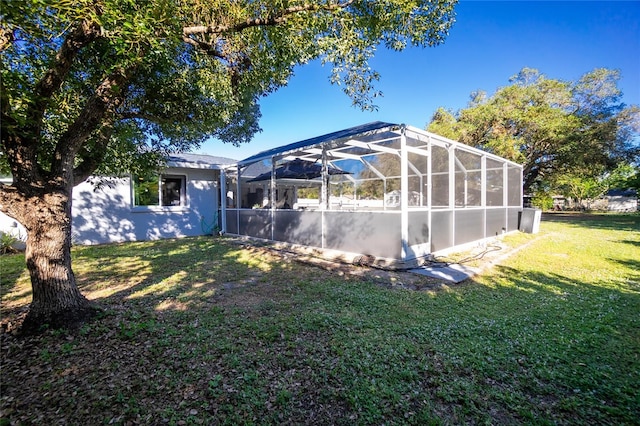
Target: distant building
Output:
[(622, 200)]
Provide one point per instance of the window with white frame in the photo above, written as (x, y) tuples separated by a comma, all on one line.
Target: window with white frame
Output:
[(162, 190)]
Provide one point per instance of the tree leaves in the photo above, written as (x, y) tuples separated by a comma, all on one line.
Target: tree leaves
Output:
[(551, 126), (191, 69)]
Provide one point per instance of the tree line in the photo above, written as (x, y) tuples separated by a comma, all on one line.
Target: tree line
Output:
[(575, 138)]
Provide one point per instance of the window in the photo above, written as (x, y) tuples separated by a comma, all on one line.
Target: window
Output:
[(163, 190)]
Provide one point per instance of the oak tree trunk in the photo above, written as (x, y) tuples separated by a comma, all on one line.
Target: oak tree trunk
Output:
[(57, 301)]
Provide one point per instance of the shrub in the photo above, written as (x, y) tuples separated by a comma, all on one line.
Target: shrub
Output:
[(7, 241), (542, 200)]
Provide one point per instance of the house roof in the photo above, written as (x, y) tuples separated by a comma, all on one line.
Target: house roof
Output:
[(318, 140), (199, 161)]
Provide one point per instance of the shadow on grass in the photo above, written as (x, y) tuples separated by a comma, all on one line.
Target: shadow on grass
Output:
[(631, 265), (207, 331), (175, 274), (632, 242), (554, 283)]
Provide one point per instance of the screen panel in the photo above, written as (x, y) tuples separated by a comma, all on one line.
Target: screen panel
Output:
[(469, 226), (374, 233), (418, 227), (298, 227), (496, 222), (255, 223), (441, 230)]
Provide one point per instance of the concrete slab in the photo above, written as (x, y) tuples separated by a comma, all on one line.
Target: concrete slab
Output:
[(449, 272)]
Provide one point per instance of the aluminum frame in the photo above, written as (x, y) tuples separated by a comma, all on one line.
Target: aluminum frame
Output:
[(484, 194)]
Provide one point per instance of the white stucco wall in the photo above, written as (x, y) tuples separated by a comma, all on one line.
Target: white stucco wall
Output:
[(106, 214), (10, 226)]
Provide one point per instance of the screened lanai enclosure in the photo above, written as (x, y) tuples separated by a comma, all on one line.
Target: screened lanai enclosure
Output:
[(385, 190)]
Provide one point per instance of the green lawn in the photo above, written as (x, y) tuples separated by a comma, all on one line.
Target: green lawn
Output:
[(205, 331)]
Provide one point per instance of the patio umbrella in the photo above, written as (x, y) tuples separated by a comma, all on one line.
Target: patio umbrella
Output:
[(299, 169)]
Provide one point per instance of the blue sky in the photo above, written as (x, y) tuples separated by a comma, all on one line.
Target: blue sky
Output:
[(490, 42)]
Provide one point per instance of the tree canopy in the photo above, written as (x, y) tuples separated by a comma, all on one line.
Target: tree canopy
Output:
[(110, 86), (102, 78), (554, 128)]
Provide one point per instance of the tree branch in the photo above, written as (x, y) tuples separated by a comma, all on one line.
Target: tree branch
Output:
[(207, 48), (258, 22), (10, 200), (21, 141), (107, 97), (82, 35), (19, 148), (90, 160)]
